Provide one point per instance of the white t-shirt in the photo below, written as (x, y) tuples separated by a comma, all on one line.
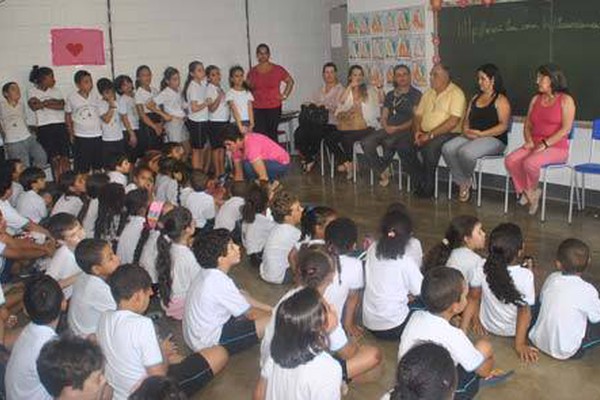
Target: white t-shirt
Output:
[(352, 278), (85, 115), (62, 266), (12, 119), (15, 222), (90, 217), (255, 234), (414, 250), (22, 380), (130, 345), (17, 191), (91, 297), (500, 318), (229, 214), (388, 284), (426, 327), (568, 304), (213, 300), (32, 206), (221, 113), (143, 97), (149, 254), (200, 204), (127, 107), (117, 177), (171, 101), (112, 131), (67, 204), (280, 242), (240, 99), (469, 263), (197, 92), (184, 270), (129, 238), (47, 116), (318, 379), (166, 189)]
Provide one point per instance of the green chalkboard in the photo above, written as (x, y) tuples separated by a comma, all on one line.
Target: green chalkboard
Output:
[(518, 37)]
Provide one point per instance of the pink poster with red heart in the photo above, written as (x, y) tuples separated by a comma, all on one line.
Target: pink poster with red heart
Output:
[(76, 46)]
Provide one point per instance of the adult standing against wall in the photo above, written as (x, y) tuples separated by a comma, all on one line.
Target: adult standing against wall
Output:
[(265, 81), (549, 120)]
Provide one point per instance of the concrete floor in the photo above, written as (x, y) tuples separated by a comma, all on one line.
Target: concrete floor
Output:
[(548, 379)]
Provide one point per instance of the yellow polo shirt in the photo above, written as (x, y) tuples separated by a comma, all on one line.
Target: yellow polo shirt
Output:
[(435, 108)]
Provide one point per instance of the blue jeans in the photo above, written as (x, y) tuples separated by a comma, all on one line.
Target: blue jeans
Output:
[(274, 169)]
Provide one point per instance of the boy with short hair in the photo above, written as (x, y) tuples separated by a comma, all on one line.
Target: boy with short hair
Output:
[(132, 349), (444, 292), (118, 170), (91, 294), (44, 301), (31, 204), (72, 368), (569, 319)]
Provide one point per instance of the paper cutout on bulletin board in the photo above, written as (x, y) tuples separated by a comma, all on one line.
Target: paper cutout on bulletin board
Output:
[(75, 46)]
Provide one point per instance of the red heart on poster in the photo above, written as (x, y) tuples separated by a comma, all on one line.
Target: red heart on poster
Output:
[(75, 48)]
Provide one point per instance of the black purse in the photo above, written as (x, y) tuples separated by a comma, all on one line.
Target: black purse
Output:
[(312, 114)]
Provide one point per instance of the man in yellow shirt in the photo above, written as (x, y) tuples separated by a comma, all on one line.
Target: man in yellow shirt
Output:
[(438, 119)]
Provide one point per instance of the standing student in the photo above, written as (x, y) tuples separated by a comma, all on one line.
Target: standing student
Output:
[(91, 294), (137, 203), (569, 320), (256, 225), (74, 199), (169, 105), (18, 142), (194, 94), (84, 124), (130, 118), (240, 100), (113, 141), (119, 169), (131, 347), (218, 117), (198, 202), (30, 204), (151, 125), (47, 101), (44, 301)]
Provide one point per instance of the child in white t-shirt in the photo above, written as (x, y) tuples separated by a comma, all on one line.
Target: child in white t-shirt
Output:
[(201, 204), (143, 178), (392, 278), (256, 225), (113, 141), (230, 212), (137, 203), (74, 199), (287, 213), (169, 105), (414, 249), (132, 348), (129, 116), (218, 117), (240, 99), (94, 185), (30, 204), (568, 323), (16, 168), (194, 94), (63, 267), (166, 187), (151, 123), (119, 170)]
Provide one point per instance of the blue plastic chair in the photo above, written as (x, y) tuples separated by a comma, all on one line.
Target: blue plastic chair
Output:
[(589, 168)]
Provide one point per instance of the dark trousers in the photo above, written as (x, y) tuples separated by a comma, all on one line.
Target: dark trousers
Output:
[(87, 154), (266, 121), (346, 140), (308, 139), (389, 144), (147, 137), (275, 170), (111, 151), (467, 385), (422, 171)]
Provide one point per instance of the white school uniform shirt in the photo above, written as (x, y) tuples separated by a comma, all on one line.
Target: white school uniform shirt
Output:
[(568, 304), (117, 177), (126, 106), (112, 131), (171, 101), (129, 238), (197, 92), (500, 318), (387, 286), (221, 113), (281, 241), (32, 206), (352, 278), (166, 189), (85, 115), (17, 191), (15, 222), (130, 187), (185, 269), (318, 379), (469, 263), (63, 265), (200, 204), (424, 326), (229, 214), (91, 297), (12, 119), (90, 217), (143, 97), (22, 380), (414, 250), (67, 204), (48, 116), (149, 254), (240, 98), (213, 300), (255, 234), (130, 345)]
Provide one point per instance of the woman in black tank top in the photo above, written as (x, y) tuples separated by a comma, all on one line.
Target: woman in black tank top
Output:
[(485, 129)]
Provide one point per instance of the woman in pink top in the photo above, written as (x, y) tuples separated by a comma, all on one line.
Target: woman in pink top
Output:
[(265, 82), (549, 121), (255, 156)]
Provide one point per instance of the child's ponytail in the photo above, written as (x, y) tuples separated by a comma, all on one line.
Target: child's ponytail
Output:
[(256, 202), (315, 263), (313, 217), (395, 231)]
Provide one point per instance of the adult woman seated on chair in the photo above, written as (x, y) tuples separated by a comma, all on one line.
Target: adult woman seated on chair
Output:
[(357, 115), (485, 129), (549, 121)]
